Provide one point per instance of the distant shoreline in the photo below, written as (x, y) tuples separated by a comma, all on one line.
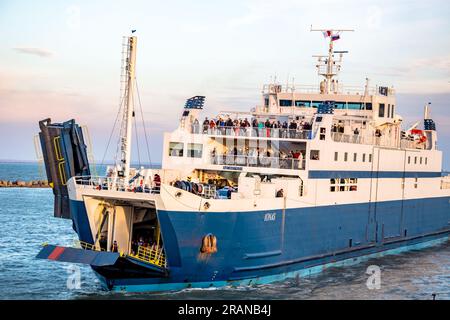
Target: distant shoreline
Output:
[(24, 184)]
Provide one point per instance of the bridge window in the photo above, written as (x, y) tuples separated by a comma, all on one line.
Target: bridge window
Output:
[(355, 105), (336, 156), (420, 160), (368, 106), (409, 159), (304, 104), (285, 103), (415, 160), (345, 156), (176, 149), (426, 160), (381, 110), (315, 155), (315, 104), (266, 102), (340, 105), (355, 157), (392, 111), (194, 150), (389, 111), (370, 158), (364, 157)]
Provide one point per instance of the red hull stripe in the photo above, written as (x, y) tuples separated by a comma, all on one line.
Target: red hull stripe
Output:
[(56, 253)]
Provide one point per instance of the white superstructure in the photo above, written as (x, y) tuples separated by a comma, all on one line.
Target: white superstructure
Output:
[(303, 146)]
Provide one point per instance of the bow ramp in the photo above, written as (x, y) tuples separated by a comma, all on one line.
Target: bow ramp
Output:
[(148, 258), (78, 255)]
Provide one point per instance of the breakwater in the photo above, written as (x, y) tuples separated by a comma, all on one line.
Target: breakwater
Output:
[(24, 184)]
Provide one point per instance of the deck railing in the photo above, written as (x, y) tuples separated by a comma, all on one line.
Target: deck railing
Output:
[(339, 89), (88, 246), (153, 255), (254, 132), (254, 161), (382, 141), (115, 184)]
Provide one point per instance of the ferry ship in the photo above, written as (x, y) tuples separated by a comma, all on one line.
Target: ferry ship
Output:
[(313, 177)]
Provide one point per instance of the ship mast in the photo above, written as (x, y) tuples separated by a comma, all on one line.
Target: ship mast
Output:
[(128, 79), (327, 66)]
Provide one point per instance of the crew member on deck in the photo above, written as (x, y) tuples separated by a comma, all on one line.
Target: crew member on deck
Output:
[(114, 247), (280, 193)]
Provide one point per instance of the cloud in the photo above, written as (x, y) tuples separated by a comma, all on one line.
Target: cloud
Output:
[(40, 52)]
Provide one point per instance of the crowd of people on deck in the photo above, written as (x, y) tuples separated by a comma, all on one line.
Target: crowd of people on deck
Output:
[(144, 242), (293, 159), (268, 128)]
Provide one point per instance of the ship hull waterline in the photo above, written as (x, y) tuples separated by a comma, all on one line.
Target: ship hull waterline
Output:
[(252, 251)]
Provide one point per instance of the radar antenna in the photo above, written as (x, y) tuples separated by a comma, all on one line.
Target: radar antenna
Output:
[(327, 66)]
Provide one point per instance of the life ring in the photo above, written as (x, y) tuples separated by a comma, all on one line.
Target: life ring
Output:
[(419, 135), (195, 188), (213, 243), (178, 184), (188, 186), (209, 244)]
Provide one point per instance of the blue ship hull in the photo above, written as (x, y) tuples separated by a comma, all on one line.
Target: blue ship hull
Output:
[(297, 242)]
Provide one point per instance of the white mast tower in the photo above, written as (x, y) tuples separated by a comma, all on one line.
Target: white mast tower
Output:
[(128, 79), (327, 66)]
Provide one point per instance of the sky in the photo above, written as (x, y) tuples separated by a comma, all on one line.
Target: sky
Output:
[(62, 59)]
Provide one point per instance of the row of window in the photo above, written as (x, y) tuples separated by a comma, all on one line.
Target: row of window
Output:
[(315, 104), (194, 150), (364, 157), (382, 111), (343, 184), (351, 184), (418, 160)]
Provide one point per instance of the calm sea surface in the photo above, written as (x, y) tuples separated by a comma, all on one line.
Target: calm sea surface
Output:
[(26, 221)]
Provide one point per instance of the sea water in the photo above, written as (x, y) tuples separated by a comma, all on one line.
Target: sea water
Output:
[(27, 222)]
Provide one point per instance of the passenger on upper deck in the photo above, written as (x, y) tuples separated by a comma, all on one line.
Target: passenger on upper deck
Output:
[(295, 129), (196, 126), (205, 125)]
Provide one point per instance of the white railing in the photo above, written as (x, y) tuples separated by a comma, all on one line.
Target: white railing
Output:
[(382, 141), (115, 184), (254, 161), (315, 89), (254, 132)]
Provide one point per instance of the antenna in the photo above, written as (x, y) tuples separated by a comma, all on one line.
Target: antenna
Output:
[(426, 111), (327, 66)]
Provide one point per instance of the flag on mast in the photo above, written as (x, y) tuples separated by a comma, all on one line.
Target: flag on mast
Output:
[(335, 37), (327, 33)]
